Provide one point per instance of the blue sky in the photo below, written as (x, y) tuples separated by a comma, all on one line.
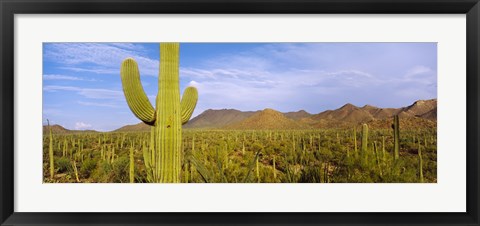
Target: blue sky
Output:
[(82, 87)]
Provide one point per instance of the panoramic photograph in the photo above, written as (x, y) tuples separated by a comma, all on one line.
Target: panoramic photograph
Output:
[(239, 112)]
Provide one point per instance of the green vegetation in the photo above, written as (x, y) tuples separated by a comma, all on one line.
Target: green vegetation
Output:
[(251, 156)]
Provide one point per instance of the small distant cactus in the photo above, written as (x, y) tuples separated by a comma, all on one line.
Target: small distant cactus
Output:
[(132, 166), (50, 150), (193, 144), (74, 166), (258, 170), (274, 169), (64, 150), (396, 136), (383, 149), (164, 155), (420, 164), (355, 140), (365, 143), (364, 138), (243, 148)]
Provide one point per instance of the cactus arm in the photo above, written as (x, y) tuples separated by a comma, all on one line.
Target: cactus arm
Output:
[(132, 88), (188, 103)]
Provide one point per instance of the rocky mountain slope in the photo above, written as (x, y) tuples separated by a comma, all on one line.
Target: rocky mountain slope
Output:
[(268, 119)]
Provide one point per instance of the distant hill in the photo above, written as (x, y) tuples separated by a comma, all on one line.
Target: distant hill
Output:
[(268, 119), (421, 107), (297, 115), (348, 113), (420, 113), (134, 128), (58, 129), (218, 118), (381, 113)]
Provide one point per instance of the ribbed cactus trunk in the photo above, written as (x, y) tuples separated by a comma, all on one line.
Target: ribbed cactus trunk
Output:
[(163, 157), (168, 127)]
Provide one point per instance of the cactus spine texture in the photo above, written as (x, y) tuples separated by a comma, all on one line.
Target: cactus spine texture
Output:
[(166, 119), (396, 136)]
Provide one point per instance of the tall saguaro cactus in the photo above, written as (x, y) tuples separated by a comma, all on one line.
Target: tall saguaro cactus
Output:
[(163, 159)]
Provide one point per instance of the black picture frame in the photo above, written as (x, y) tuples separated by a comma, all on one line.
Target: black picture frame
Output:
[(9, 8)]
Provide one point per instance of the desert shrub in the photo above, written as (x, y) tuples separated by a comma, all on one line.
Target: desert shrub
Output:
[(120, 170), (312, 174), (88, 166), (63, 165), (103, 172)]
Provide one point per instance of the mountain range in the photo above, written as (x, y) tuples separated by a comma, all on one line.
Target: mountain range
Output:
[(420, 113), (58, 129)]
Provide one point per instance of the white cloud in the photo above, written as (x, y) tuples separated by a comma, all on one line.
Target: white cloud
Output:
[(87, 92), (193, 83), (82, 126), (109, 105), (65, 77), (129, 46), (220, 73), (238, 85), (265, 77), (94, 70), (418, 70), (50, 112), (102, 57), (420, 75), (350, 72)]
